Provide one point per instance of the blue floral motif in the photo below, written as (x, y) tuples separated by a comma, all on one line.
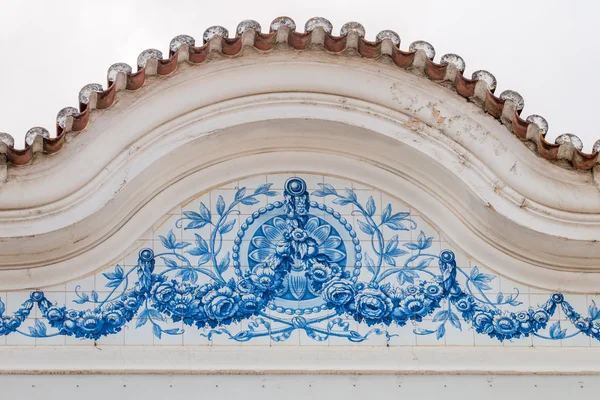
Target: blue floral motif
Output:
[(297, 266)]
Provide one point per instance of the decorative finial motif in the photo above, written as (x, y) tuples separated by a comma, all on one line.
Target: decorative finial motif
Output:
[(7, 139), (388, 34), (282, 21), (539, 121), (318, 22), (61, 117), (455, 60), (514, 97), (147, 55), (86, 92), (352, 26), (179, 40), (487, 77), (570, 138), (33, 132), (425, 46), (247, 25), (213, 31), (115, 69)]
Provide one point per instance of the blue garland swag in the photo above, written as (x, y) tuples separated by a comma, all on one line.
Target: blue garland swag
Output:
[(298, 265)]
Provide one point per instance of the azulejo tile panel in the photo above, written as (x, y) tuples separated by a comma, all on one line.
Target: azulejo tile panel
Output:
[(296, 259)]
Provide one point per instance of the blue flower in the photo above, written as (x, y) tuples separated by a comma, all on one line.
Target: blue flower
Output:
[(221, 304), (55, 313), (250, 303), (90, 323), (299, 235), (412, 289), (583, 324), (275, 238), (483, 322), (432, 290), (115, 318), (465, 304), (265, 279), (541, 317), (338, 293), (505, 326), (372, 304), (322, 273), (416, 306)]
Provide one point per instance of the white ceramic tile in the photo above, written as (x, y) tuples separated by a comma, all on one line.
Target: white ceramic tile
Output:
[(143, 335), (192, 336), (252, 182), (401, 336)]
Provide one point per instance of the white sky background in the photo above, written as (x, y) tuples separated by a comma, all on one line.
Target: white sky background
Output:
[(547, 50)]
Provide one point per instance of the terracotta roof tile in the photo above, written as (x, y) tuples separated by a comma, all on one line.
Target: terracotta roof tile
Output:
[(480, 87)]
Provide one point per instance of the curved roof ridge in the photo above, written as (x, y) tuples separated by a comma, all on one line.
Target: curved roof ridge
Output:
[(480, 87)]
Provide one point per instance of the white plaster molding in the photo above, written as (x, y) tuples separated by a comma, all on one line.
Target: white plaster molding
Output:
[(69, 214), (285, 360)]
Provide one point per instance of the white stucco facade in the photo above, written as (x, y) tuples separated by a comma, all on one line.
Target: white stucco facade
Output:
[(404, 180)]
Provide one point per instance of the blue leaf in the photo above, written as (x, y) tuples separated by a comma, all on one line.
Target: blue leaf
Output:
[(203, 259), (423, 241), (370, 264), (406, 276), (188, 275), (113, 284), (371, 208), (389, 260), (351, 194), (387, 211), (38, 330), (424, 263), (441, 316), (2, 308), (181, 245), (196, 224), (173, 331), (327, 189), (421, 331), (249, 201), (441, 331), (455, 321), (169, 263), (220, 205), (263, 189), (392, 244), (224, 264), (240, 194), (141, 322), (170, 242), (227, 227), (366, 228), (557, 333), (499, 298), (342, 201), (157, 331), (593, 310), (411, 246), (154, 314), (205, 212)]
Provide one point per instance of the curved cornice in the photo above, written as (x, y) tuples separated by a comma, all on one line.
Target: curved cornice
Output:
[(449, 72), (69, 214)]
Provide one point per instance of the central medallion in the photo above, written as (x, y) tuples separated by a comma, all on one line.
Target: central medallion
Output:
[(298, 246)]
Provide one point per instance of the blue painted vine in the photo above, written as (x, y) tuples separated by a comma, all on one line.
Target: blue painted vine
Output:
[(297, 264)]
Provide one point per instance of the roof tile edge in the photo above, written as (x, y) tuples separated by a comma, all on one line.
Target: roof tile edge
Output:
[(480, 87)]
